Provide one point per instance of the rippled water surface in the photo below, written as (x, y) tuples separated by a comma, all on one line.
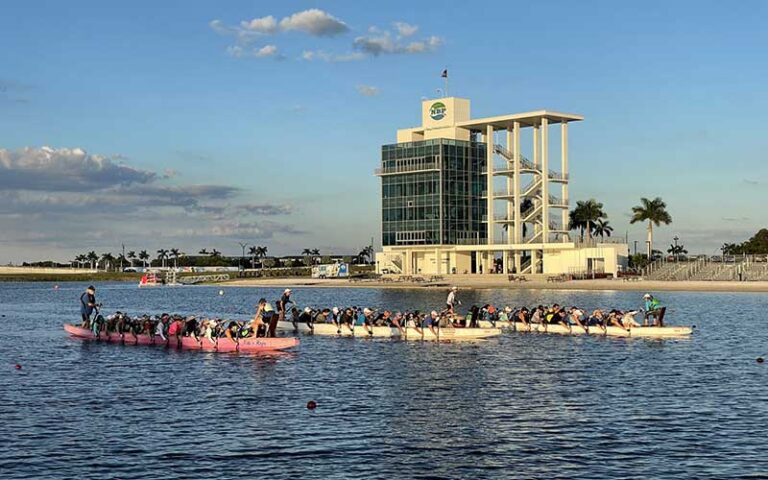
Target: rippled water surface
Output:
[(521, 406)]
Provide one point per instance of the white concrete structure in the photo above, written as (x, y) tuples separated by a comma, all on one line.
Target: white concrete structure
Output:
[(524, 206)]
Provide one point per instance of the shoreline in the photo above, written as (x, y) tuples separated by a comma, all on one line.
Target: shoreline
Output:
[(491, 283), (469, 282)]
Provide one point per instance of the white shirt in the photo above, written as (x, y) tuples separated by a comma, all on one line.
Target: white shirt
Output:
[(451, 298)]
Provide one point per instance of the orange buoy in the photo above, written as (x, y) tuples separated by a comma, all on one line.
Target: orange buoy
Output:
[(311, 405), (18, 366)]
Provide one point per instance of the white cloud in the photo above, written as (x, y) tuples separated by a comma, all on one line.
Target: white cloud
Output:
[(264, 25), (368, 90), (385, 43), (318, 23), (310, 55), (60, 197), (65, 169), (264, 52), (314, 22), (405, 29)]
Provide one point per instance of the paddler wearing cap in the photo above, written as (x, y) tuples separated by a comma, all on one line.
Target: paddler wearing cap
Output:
[(282, 304), (452, 301), (87, 305), (653, 308)]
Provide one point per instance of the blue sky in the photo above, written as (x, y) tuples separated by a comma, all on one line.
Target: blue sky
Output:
[(250, 138)]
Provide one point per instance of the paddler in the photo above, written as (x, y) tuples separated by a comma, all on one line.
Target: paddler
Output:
[(653, 308), (452, 301), (575, 318), (282, 304), (430, 321), (87, 305)]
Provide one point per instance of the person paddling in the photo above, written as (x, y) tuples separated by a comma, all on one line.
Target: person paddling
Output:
[(87, 305), (452, 301), (282, 304), (654, 309)]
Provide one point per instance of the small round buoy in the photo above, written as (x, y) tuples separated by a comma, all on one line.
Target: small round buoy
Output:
[(760, 359), (311, 405), (221, 292), (18, 366)]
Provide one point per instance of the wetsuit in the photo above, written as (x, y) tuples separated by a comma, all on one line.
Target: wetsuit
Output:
[(87, 304)]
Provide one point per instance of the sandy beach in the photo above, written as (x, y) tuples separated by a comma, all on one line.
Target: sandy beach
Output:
[(493, 281)]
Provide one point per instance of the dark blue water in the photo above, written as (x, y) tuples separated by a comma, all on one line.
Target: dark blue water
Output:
[(523, 406)]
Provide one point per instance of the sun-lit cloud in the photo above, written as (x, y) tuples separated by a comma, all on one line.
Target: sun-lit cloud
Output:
[(58, 197), (266, 51), (314, 22), (319, 23), (386, 43), (405, 29)]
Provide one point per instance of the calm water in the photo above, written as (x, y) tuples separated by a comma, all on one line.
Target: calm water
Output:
[(523, 406)]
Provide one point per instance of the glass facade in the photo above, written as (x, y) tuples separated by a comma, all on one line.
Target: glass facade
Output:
[(432, 192)]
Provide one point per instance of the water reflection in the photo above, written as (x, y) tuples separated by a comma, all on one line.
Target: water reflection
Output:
[(520, 406)]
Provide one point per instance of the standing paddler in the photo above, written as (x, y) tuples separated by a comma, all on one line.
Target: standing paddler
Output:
[(653, 308), (452, 301), (87, 305)]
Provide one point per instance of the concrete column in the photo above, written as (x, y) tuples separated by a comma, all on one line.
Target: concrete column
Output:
[(489, 180), (510, 191), (545, 179), (408, 263), (534, 259), (564, 168), (505, 261), (518, 261), (518, 226)]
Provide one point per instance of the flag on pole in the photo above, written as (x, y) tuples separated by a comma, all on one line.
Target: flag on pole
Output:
[(445, 73)]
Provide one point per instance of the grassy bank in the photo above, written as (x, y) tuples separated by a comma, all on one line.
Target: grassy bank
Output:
[(73, 277)]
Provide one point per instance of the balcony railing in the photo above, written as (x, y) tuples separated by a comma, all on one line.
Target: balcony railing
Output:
[(423, 167)]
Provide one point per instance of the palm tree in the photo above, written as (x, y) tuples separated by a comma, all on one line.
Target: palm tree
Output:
[(175, 255), (131, 257), (93, 258), (81, 260), (162, 254), (677, 250), (203, 252), (144, 256), (366, 254), (576, 223), (655, 212), (307, 252), (255, 252), (121, 258), (252, 253), (215, 253), (108, 259), (602, 229)]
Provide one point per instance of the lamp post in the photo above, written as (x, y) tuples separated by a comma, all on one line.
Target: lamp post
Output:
[(242, 245), (677, 254), (648, 249), (635, 247)]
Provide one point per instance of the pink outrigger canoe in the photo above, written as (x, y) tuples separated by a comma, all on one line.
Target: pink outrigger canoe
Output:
[(244, 345)]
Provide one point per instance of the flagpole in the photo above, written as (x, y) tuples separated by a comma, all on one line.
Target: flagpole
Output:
[(446, 83)]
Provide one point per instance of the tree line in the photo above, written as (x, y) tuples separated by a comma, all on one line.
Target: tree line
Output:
[(208, 258)]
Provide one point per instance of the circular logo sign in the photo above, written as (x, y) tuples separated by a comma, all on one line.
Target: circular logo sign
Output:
[(437, 111)]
